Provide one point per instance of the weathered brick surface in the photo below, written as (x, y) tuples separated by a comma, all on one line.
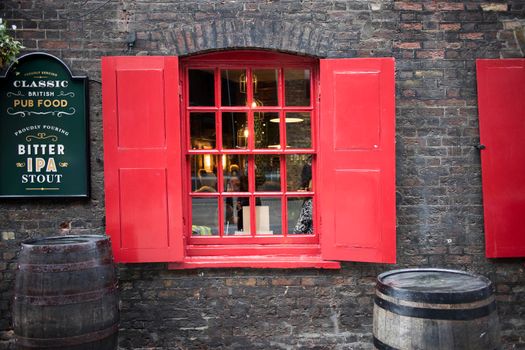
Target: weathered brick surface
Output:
[(439, 203)]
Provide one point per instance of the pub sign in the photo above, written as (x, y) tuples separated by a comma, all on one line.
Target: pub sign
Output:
[(43, 130)]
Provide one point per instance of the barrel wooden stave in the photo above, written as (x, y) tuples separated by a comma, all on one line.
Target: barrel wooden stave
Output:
[(405, 332), (435, 321), (66, 295)]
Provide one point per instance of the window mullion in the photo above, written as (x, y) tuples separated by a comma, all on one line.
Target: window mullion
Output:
[(282, 125), (282, 157), (251, 147), (284, 202), (219, 143)]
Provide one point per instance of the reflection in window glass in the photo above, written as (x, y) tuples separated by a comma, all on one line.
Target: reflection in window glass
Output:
[(298, 130), (268, 216), (233, 87), (204, 216), (203, 173), (300, 215), (202, 87), (298, 171), (235, 173), (297, 87), (267, 173), (235, 131), (264, 83), (266, 127), (235, 208), (202, 130)]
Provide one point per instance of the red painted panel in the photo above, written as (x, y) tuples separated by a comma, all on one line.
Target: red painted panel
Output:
[(142, 158), (356, 194), (349, 109), (146, 117), (501, 99), (143, 195), (364, 203)]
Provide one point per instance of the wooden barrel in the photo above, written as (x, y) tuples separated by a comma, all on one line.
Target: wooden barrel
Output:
[(435, 309), (66, 294)]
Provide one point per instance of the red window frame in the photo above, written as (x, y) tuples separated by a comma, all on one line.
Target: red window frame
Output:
[(248, 60), (146, 177)]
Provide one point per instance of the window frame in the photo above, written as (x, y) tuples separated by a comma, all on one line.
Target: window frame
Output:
[(148, 225), (249, 60)]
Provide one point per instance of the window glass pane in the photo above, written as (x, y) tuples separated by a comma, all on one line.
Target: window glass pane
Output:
[(234, 130), (202, 130), (202, 87), (234, 209), (298, 130), (300, 215), (203, 173), (266, 127), (264, 87), (268, 216), (204, 216), (297, 87), (235, 170), (298, 172), (267, 173), (233, 87)]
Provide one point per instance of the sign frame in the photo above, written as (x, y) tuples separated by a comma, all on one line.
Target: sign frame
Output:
[(75, 179)]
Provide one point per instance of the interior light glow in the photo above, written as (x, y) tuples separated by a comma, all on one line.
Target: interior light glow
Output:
[(287, 120), (207, 163)]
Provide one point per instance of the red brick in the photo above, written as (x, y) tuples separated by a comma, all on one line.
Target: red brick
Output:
[(409, 93), (411, 26), (450, 26), (445, 6), (432, 54), (52, 44), (471, 36), (408, 6), (408, 46)]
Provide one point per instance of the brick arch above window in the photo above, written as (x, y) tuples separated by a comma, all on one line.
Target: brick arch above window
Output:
[(292, 37)]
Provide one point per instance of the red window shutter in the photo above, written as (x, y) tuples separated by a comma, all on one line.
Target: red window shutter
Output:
[(142, 158), (501, 102), (356, 187)]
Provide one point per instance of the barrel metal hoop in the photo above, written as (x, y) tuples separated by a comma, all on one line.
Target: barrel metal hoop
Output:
[(435, 297), (83, 265), (437, 314), (69, 341), (382, 346), (66, 299)]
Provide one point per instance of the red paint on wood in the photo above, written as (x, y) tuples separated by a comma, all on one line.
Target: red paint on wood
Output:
[(356, 193), (256, 262), (142, 165), (501, 99)]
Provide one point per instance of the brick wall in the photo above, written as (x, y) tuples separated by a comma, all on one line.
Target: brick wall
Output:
[(440, 217)]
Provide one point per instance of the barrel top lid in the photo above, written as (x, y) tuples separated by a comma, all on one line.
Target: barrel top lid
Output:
[(427, 282)]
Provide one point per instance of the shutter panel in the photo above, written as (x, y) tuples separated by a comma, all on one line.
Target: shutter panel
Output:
[(356, 187), (501, 102), (142, 158)]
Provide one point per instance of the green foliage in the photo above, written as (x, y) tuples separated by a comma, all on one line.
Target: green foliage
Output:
[(9, 47)]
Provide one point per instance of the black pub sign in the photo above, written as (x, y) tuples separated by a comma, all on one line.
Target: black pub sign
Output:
[(43, 130)]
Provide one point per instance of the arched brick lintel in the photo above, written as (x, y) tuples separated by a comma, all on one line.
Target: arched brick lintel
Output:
[(299, 38)]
